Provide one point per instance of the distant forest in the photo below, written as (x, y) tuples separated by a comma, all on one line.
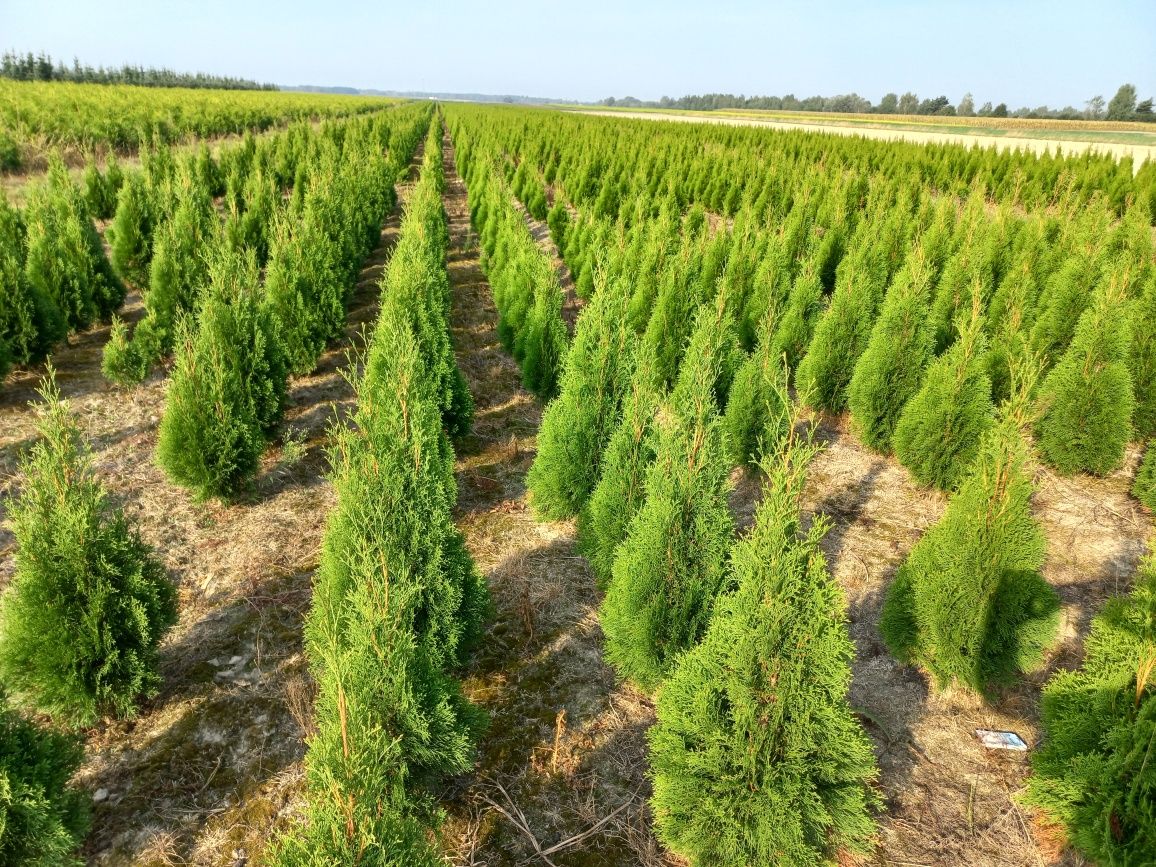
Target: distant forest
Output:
[(40, 67), (1123, 106)]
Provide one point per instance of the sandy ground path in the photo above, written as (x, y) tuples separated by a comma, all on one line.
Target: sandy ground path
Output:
[(1138, 152), (210, 768), (565, 747)]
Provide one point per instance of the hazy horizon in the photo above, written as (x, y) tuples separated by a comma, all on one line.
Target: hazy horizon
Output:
[(1059, 53)]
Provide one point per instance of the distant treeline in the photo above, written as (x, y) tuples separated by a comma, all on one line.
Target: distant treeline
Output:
[(40, 67), (1123, 106)]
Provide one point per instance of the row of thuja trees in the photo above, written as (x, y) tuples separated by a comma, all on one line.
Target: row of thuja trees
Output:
[(526, 289), (397, 601), (968, 338), (89, 604), (243, 329)]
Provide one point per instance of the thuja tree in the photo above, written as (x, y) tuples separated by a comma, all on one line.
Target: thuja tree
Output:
[(1144, 487), (88, 604), (30, 322), (304, 289), (670, 567), (385, 624), (1143, 360), (890, 370), (756, 753), (179, 269), (65, 260), (798, 317), (938, 432), (42, 818), (1087, 398), (228, 386), (621, 487), (1094, 773), (541, 343), (130, 236), (757, 415), (578, 423), (969, 603), (841, 335)]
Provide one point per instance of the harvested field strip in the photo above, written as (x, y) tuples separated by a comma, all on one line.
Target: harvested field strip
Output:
[(563, 763), (207, 771)]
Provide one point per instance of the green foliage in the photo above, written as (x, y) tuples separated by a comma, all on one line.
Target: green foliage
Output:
[(841, 335), (1093, 773), (621, 489), (1143, 360), (890, 370), (938, 432), (756, 754), (969, 603), (88, 605), (1087, 398), (757, 416), (128, 361), (99, 195), (577, 425), (42, 819), (670, 567), (797, 321), (65, 260), (181, 253), (30, 322), (130, 235), (1144, 487), (228, 387)]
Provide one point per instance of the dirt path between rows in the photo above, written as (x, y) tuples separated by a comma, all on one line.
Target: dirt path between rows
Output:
[(1138, 152), (565, 748), (211, 767)]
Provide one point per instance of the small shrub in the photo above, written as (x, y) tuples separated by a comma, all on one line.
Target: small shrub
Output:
[(1093, 772), (756, 753), (1144, 488), (42, 818), (88, 605)]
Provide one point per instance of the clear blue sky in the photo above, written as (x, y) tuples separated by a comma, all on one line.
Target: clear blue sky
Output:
[(1025, 53)]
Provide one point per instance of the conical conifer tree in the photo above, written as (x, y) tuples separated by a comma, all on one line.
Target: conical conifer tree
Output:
[(1062, 304), (1144, 487), (578, 423), (131, 234), (841, 335), (30, 322), (42, 818), (756, 754), (670, 567), (388, 617), (890, 370), (757, 415), (798, 318), (1087, 398), (179, 268), (969, 603), (228, 387), (1143, 360), (65, 260), (621, 487), (1093, 773), (88, 605), (543, 338), (938, 432)]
